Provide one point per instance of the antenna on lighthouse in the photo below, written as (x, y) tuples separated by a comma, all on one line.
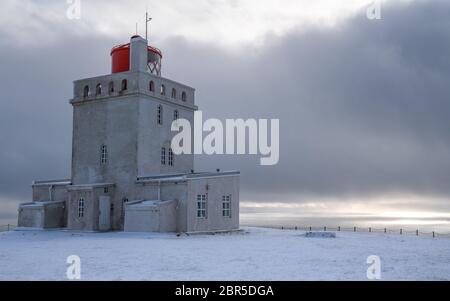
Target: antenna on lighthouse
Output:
[(147, 20)]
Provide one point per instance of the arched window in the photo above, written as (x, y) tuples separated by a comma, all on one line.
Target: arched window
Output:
[(170, 157), (124, 85), (174, 93), (163, 90), (176, 115), (163, 156), (86, 91), (152, 86), (81, 207), (98, 89), (111, 87), (183, 96), (160, 114)]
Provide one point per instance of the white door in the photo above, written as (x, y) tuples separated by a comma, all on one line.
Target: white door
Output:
[(104, 221)]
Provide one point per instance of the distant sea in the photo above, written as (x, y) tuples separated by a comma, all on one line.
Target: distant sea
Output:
[(378, 223)]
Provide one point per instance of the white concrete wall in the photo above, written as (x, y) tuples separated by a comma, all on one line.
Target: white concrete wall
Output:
[(144, 218), (217, 187)]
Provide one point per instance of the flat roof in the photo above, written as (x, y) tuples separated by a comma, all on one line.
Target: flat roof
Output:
[(186, 176), (90, 186), (52, 182)]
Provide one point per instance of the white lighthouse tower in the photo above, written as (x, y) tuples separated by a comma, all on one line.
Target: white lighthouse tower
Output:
[(124, 172)]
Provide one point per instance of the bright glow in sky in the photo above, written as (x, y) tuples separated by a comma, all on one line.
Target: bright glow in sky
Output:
[(226, 22)]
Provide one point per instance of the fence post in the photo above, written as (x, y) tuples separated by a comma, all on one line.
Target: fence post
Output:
[(282, 228), (339, 228), (354, 229), (370, 229), (295, 227), (417, 232), (385, 230), (8, 227), (310, 228), (325, 228), (401, 231), (433, 234)]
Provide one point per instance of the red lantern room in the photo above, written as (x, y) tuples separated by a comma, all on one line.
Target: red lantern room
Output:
[(121, 56)]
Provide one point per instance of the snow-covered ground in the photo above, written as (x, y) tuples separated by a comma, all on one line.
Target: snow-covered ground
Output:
[(254, 254)]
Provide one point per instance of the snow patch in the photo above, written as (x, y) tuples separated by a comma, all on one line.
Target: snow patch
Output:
[(320, 235)]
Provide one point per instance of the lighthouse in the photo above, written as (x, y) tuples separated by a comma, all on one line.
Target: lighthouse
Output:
[(124, 173)]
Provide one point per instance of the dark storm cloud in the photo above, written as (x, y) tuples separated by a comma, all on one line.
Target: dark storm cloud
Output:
[(363, 107)]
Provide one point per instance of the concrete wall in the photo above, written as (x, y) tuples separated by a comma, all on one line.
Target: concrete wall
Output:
[(31, 217), (90, 219), (214, 188), (160, 217), (168, 216), (42, 193), (42, 215), (55, 215), (142, 219), (177, 192)]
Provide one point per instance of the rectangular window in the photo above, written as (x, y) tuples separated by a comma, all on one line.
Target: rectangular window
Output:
[(104, 156), (160, 114), (170, 157), (163, 156), (81, 207), (201, 206), (226, 206)]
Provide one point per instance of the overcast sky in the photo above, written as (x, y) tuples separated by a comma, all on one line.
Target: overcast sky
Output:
[(363, 104)]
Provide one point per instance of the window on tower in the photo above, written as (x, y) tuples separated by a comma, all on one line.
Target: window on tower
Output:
[(104, 155), (170, 157), (86, 91), (183, 96), (111, 87), (163, 90), (98, 89), (160, 114), (163, 156), (124, 85), (151, 86), (174, 93)]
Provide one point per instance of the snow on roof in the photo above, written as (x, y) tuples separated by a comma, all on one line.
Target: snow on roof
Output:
[(147, 203), (40, 203), (52, 182), (95, 185), (186, 176)]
